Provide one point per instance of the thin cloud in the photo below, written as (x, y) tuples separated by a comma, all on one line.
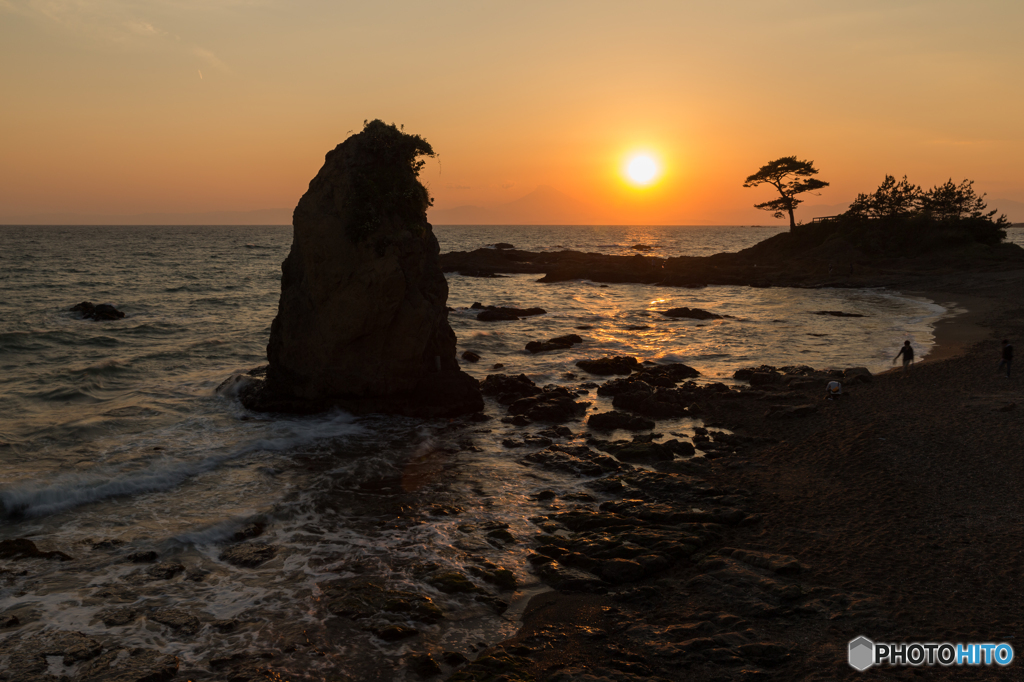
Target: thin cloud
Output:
[(210, 58), (119, 21)]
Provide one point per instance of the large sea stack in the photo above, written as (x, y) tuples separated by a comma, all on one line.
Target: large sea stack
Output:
[(362, 323)]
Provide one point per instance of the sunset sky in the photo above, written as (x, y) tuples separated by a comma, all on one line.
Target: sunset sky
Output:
[(120, 107)]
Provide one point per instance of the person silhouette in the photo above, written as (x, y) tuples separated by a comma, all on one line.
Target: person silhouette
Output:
[(908, 355), (1007, 357)]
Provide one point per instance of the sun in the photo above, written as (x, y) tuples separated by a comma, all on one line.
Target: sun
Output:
[(642, 170)]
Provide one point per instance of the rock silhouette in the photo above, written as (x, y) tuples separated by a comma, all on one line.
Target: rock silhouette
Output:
[(362, 322)]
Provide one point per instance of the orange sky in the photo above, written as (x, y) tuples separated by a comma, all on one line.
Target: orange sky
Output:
[(120, 107)]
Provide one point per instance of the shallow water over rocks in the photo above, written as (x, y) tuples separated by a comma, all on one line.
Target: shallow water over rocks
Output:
[(329, 544)]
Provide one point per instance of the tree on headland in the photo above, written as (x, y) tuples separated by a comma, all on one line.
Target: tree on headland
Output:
[(891, 199), (950, 201), (790, 177), (901, 217)]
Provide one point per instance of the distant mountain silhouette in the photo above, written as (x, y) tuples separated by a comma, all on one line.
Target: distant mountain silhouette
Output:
[(543, 206), (1014, 210)]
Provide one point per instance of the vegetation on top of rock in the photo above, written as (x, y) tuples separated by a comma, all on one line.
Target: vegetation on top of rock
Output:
[(900, 218), (789, 176), (384, 183)]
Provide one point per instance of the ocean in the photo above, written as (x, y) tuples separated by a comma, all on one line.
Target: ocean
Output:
[(118, 437)]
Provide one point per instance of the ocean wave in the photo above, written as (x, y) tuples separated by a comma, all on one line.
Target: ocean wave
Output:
[(31, 499), (72, 490)]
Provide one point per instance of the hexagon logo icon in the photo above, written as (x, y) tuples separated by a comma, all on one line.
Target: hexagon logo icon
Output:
[(862, 653)]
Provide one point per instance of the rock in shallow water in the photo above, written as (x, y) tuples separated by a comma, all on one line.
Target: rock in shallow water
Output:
[(102, 311), (248, 555), (362, 322)]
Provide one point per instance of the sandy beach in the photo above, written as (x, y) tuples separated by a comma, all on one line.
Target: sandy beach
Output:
[(900, 505)]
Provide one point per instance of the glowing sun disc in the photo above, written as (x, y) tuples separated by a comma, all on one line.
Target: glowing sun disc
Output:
[(642, 170)]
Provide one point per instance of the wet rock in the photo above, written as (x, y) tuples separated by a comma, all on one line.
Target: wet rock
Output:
[(495, 314), (642, 451), (857, 375), (362, 322), (497, 665), (165, 571), (444, 510), (73, 646), (394, 633), (503, 535), (554, 405), (454, 658), (501, 577), (608, 366), (249, 531), (130, 665), (654, 403), (183, 621), (764, 378), (248, 555), (451, 582), (426, 666), (470, 356), (610, 421), (142, 557), (23, 665), (837, 313), (503, 246), (473, 545), (508, 389), (102, 311), (745, 373), (570, 579), (691, 313), (576, 460), (106, 544), (557, 343), (117, 616), (618, 571), (225, 625), (21, 548), (359, 598), (9, 621)]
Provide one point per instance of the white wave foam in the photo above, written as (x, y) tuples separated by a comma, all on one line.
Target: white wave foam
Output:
[(35, 499), (72, 490)]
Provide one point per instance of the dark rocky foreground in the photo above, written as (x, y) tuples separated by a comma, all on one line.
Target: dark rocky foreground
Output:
[(893, 513)]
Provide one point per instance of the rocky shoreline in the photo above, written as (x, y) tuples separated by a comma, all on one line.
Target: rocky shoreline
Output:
[(894, 513)]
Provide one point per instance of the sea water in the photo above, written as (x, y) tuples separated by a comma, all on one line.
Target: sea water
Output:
[(118, 437)]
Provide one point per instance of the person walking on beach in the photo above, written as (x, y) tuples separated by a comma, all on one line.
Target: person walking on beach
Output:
[(1007, 360), (908, 355)]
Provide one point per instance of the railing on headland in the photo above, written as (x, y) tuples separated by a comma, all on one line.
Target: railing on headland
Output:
[(825, 219)]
